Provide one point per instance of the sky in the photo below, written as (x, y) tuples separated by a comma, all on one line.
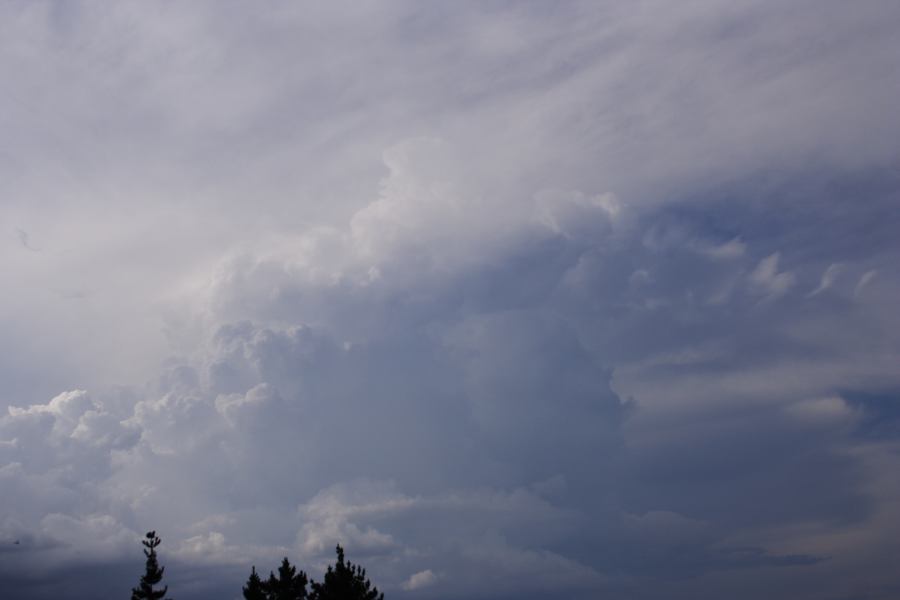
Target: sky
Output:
[(511, 299)]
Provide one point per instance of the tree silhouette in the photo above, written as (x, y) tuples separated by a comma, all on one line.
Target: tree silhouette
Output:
[(345, 581), (255, 588), (153, 573), (289, 585)]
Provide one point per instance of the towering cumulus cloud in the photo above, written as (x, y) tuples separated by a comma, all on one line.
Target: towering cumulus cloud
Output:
[(510, 300)]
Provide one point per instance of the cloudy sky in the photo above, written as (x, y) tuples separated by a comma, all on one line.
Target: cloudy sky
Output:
[(512, 299)]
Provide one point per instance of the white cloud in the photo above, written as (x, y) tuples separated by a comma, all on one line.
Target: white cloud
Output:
[(729, 250), (766, 278), (824, 411), (420, 580), (864, 280), (209, 548), (828, 278)]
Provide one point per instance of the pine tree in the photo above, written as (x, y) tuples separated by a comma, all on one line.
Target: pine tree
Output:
[(153, 573), (289, 585), (345, 581), (255, 588)]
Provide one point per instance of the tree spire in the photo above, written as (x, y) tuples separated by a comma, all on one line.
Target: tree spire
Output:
[(153, 573), (345, 581)]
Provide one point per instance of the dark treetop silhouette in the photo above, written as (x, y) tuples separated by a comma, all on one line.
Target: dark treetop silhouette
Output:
[(153, 573), (289, 585), (255, 588), (343, 581)]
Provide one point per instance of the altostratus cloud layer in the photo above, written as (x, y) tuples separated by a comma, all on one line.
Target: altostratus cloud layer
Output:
[(513, 300)]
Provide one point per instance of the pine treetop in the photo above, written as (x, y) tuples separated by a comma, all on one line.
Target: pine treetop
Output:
[(255, 588), (345, 581), (289, 585), (153, 573)]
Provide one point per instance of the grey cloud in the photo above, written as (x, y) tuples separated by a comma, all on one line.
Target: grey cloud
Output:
[(543, 292), (23, 239)]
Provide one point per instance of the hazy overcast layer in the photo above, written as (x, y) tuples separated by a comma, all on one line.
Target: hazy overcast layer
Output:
[(514, 300)]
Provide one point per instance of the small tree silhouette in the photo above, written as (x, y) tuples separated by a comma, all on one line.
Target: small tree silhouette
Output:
[(153, 573), (255, 588), (289, 585), (345, 581)]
